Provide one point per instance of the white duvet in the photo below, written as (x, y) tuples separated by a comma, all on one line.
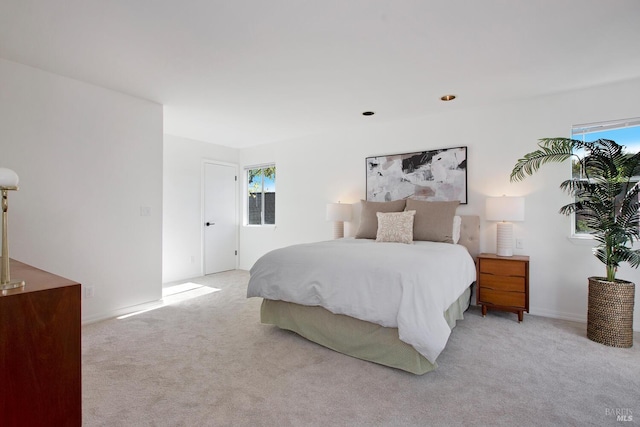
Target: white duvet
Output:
[(408, 287)]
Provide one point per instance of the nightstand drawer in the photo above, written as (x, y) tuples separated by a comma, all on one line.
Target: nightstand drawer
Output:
[(502, 283), (503, 268), (502, 298)]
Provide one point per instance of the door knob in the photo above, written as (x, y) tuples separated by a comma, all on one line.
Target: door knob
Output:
[(209, 223)]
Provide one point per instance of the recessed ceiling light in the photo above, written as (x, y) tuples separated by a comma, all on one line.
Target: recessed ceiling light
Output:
[(448, 97), (368, 113)]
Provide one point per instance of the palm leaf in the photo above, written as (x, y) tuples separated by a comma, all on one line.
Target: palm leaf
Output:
[(551, 150), (604, 196)]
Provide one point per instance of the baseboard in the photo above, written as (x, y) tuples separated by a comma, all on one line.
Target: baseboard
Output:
[(560, 315), (565, 316), (569, 316), (121, 312)]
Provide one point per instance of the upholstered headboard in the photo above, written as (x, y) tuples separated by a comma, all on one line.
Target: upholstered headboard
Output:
[(470, 234)]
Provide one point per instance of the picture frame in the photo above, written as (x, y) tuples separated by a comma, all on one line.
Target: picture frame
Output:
[(433, 175)]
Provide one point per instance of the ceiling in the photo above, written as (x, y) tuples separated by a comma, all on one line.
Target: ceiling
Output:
[(246, 72)]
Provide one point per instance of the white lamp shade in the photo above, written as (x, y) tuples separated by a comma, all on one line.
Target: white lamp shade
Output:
[(505, 208), (338, 212), (8, 178)]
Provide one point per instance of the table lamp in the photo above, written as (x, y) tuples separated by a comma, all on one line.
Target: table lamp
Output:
[(8, 181), (338, 213), (505, 209)]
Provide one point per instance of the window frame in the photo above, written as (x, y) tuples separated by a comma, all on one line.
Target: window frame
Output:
[(579, 132), (263, 199)]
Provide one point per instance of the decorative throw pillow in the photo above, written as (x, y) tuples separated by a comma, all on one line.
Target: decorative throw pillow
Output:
[(395, 227), (434, 220), (369, 221)]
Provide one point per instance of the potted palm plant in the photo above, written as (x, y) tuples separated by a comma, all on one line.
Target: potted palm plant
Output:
[(605, 193)]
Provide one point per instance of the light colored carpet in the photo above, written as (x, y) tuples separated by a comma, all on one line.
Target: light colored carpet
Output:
[(208, 361)]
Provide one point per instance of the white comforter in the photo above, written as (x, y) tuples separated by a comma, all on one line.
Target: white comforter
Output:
[(408, 287)]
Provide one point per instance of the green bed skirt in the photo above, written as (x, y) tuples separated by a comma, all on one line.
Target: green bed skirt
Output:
[(354, 337)]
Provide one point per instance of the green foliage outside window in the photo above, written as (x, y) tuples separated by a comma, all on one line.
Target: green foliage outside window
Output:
[(261, 195)]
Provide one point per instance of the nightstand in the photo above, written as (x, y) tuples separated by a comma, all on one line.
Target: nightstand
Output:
[(503, 283)]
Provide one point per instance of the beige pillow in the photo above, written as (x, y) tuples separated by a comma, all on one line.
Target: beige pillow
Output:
[(395, 227), (434, 220), (369, 221)]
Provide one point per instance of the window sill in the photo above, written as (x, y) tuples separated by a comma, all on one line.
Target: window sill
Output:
[(582, 239)]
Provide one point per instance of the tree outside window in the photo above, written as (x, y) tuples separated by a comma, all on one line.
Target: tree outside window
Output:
[(261, 195)]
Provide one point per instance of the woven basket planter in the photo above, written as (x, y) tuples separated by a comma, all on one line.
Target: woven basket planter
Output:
[(610, 315)]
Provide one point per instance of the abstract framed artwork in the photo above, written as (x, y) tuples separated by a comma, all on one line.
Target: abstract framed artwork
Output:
[(426, 175)]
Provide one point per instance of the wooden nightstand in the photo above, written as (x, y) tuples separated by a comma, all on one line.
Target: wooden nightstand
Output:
[(503, 283)]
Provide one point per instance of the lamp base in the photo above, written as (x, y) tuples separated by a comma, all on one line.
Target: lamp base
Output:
[(12, 284), (505, 239), (338, 229)]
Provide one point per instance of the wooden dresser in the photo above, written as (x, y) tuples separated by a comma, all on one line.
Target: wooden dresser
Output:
[(503, 283), (40, 351)]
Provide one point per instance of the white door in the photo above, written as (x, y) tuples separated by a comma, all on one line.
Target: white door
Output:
[(220, 218)]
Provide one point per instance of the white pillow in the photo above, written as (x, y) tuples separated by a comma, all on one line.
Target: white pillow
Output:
[(457, 221), (395, 227)]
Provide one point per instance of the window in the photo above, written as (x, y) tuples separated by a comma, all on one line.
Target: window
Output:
[(261, 195), (624, 132)]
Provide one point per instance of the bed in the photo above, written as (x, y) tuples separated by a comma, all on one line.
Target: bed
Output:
[(312, 289)]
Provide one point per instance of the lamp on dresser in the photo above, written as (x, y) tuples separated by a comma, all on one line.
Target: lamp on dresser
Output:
[(505, 209), (8, 181), (338, 213)]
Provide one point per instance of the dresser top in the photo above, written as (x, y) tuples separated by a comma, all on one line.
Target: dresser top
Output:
[(34, 278)]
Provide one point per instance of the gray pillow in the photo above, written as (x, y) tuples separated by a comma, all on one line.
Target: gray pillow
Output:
[(368, 228), (434, 220)]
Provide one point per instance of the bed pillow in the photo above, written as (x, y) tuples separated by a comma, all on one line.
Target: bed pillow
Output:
[(368, 228), (434, 220), (395, 227), (457, 225)]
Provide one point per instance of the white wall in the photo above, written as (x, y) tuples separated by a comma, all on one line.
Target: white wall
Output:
[(182, 200), (326, 168), (88, 160)]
